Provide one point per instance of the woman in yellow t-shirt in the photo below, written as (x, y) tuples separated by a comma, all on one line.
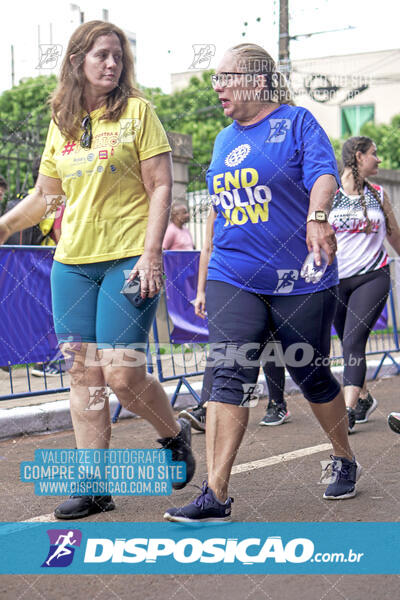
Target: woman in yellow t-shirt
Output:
[(108, 156)]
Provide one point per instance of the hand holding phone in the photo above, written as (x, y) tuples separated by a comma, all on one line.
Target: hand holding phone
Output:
[(131, 290)]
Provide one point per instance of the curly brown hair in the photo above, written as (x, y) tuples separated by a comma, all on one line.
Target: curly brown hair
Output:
[(67, 101), (349, 157)]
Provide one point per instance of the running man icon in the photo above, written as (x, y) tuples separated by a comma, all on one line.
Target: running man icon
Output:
[(287, 279), (61, 551)]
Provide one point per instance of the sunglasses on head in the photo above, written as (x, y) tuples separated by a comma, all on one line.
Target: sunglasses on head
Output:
[(86, 138)]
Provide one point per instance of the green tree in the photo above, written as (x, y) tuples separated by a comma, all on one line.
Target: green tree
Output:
[(24, 120), (195, 110), (387, 139)]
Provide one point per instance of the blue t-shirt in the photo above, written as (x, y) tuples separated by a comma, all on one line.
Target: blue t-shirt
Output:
[(260, 179)]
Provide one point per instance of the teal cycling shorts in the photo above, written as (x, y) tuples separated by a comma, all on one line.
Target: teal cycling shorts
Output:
[(88, 305)]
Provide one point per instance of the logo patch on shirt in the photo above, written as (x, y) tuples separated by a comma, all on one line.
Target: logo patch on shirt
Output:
[(237, 155), (287, 279), (68, 148), (128, 129), (279, 129)]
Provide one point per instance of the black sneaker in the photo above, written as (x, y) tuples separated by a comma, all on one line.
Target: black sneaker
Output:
[(276, 414), (345, 474), (365, 406), (77, 507), (196, 416), (351, 415), (181, 450), (394, 421)]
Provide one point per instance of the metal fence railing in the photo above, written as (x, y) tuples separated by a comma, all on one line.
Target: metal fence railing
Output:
[(179, 364)]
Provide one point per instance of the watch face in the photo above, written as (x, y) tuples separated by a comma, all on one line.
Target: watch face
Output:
[(320, 215)]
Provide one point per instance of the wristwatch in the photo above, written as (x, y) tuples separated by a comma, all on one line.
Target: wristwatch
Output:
[(318, 215)]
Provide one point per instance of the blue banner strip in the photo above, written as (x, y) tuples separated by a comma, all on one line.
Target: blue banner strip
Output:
[(171, 548)]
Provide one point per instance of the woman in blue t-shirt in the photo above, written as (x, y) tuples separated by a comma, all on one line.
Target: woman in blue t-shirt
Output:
[(271, 180)]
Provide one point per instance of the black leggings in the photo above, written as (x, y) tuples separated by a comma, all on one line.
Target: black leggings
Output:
[(361, 299), (274, 376), (244, 328)]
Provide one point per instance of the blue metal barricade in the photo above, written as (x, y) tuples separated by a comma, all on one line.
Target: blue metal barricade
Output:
[(175, 363)]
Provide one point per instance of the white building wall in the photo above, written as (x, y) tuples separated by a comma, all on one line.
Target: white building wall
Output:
[(379, 70)]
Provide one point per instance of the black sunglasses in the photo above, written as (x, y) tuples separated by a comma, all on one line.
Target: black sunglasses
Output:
[(86, 139)]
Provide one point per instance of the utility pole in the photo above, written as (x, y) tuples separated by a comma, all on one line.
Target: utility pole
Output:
[(284, 39), (12, 66)]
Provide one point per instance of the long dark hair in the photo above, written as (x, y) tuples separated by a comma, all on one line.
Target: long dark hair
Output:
[(349, 157)]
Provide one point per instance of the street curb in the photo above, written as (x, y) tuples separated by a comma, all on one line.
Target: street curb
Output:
[(55, 416)]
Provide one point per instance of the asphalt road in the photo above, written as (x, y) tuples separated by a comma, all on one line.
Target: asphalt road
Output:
[(288, 491)]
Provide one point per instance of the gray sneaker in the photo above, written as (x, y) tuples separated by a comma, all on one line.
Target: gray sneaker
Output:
[(365, 406), (276, 414), (196, 416), (394, 421)]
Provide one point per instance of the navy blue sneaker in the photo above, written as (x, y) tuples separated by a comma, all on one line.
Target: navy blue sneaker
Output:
[(345, 473), (204, 509), (181, 450)]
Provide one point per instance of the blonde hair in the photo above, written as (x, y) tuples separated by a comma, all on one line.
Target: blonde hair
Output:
[(67, 102), (252, 58)]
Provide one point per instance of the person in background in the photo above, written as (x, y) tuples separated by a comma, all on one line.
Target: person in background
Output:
[(3, 189), (277, 412), (177, 236), (362, 218)]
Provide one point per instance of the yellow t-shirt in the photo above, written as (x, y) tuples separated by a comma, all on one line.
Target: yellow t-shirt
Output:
[(107, 206)]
